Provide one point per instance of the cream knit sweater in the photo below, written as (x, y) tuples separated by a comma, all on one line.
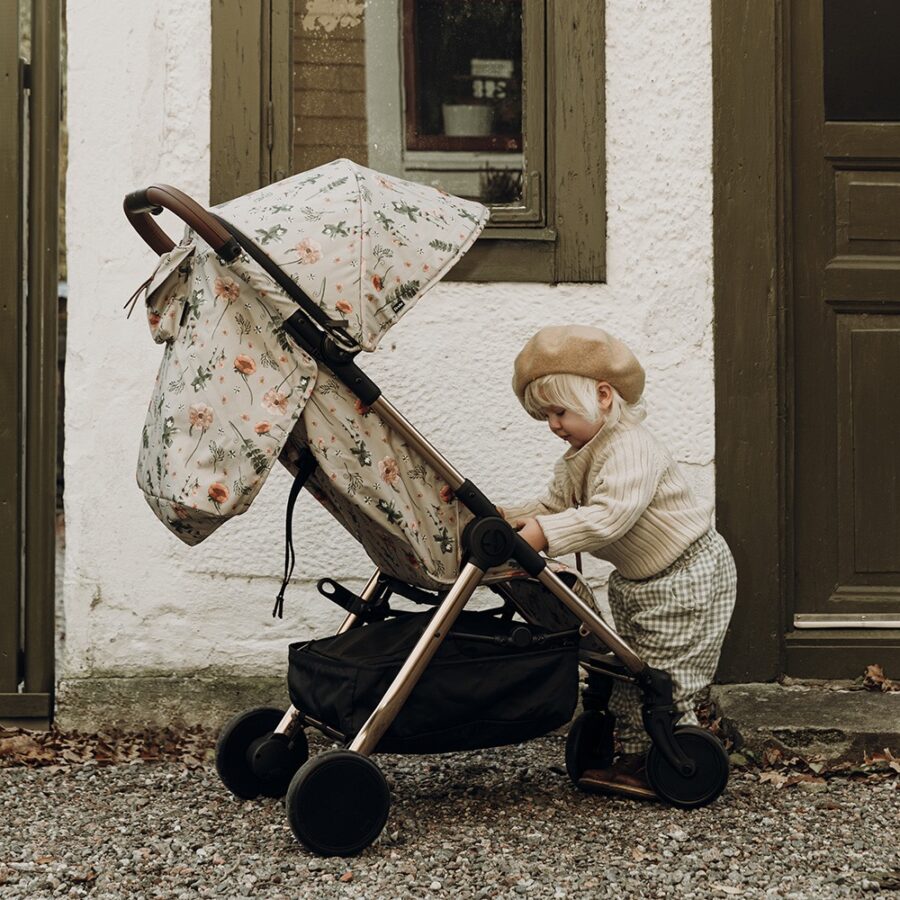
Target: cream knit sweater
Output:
[(622, 498)]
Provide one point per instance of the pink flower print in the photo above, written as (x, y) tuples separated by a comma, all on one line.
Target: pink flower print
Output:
[(200, 416), (244, 366), (153, 318), (446, 494), (218, 493), (361, 408), (343, 306), (377, 283), (389, 471), (262, 428), (309, 251), (227, 288), (275, 402)]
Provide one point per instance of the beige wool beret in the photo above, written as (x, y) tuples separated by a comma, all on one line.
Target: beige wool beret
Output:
[(579, 350)]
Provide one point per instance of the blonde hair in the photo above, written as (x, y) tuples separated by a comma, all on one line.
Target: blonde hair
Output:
[(578, 394)]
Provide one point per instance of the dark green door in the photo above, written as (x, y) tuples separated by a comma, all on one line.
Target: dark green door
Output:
[(844, 315), (29, 180)]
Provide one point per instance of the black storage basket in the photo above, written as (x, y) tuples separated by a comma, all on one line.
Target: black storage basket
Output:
[(474, 693)]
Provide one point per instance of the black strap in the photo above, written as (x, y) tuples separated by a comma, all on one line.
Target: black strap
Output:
[(306, 466)]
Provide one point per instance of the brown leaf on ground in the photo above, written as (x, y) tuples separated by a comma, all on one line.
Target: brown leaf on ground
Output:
[(876, 680), (56, 749)]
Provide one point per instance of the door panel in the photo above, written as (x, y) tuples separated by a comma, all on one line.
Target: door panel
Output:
[(845, 309)]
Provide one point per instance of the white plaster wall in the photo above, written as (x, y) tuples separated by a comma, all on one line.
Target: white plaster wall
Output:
[(136, 599)]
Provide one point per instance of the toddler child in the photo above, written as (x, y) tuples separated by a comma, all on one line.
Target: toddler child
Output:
[(617, 494)]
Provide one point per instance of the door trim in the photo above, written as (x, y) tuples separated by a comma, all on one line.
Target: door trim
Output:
[(750, 277), (30, 501)]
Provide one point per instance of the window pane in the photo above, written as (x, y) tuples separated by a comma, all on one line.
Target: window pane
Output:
[(862, 60), (429, 90)]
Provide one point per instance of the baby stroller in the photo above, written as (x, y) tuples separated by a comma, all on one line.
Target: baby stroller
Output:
[(340, 253)]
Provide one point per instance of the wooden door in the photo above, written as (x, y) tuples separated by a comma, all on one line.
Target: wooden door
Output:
[(844, 335)]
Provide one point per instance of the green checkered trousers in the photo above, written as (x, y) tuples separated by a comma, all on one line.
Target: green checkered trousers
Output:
[(675, 621)]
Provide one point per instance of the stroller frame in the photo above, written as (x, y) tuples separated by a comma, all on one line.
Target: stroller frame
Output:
[(487, 541)]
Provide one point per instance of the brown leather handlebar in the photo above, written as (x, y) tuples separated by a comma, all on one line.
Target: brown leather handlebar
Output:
[(139, 205)]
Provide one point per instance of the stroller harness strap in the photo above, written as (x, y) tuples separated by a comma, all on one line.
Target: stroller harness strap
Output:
[(305, 467)]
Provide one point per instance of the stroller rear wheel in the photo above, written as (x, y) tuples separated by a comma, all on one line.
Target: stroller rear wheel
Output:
[(589, 744), (252, 761), (338, 803), (710, 775)]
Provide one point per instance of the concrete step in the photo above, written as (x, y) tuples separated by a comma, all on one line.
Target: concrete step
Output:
[(833, 720)]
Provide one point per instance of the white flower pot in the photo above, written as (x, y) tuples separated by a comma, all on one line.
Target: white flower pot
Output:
[(467, 119)]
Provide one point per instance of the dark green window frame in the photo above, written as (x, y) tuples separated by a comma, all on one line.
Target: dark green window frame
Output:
[(565, 239)]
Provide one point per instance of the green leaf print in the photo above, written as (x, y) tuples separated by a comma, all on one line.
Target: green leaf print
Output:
[(336, 230), (361, 452), (169, 430), (442, 245), (204, 374), (258, 459), (241, 488), (389, 510), (264, 235), (216, 453), (404, 209), (354, 481), (446, 542), (338, 182)]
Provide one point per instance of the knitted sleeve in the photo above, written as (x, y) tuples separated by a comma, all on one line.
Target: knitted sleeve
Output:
[(551, 501), (622, 490)]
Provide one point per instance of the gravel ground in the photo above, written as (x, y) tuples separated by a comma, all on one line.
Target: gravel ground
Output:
[(498, 823)]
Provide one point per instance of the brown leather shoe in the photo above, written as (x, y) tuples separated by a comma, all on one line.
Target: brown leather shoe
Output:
[(627, 777)]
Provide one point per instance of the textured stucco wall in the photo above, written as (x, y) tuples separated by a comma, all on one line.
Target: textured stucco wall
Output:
[(136, 599)]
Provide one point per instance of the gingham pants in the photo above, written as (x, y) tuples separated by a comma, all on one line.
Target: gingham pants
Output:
[(674, 621)]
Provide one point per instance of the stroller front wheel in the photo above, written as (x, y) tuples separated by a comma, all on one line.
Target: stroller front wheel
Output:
[(252, 761), (711, 769), (338, 803)]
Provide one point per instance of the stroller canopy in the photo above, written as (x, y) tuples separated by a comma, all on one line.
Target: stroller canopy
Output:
[(363, 245), (232, 385)]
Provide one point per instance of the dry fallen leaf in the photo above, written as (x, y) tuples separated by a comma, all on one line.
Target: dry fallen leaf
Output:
[(347, 876), (876, 680)]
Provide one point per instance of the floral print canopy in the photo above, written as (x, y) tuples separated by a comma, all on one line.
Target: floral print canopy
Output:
[(363, 245), (233, 385)]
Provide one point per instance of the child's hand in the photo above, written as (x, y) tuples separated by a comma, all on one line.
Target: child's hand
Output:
[(531, 531), (500, 511)]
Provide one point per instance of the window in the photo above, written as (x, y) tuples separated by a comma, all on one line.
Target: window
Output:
[(499, 100)]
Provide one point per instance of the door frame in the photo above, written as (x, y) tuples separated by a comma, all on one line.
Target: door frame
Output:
[(753, 240), (29, 235), (751, 276)]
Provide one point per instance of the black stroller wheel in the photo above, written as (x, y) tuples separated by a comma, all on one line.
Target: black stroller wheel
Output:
[(710, 776), (252, 761), (589, 744), (338, 803)]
